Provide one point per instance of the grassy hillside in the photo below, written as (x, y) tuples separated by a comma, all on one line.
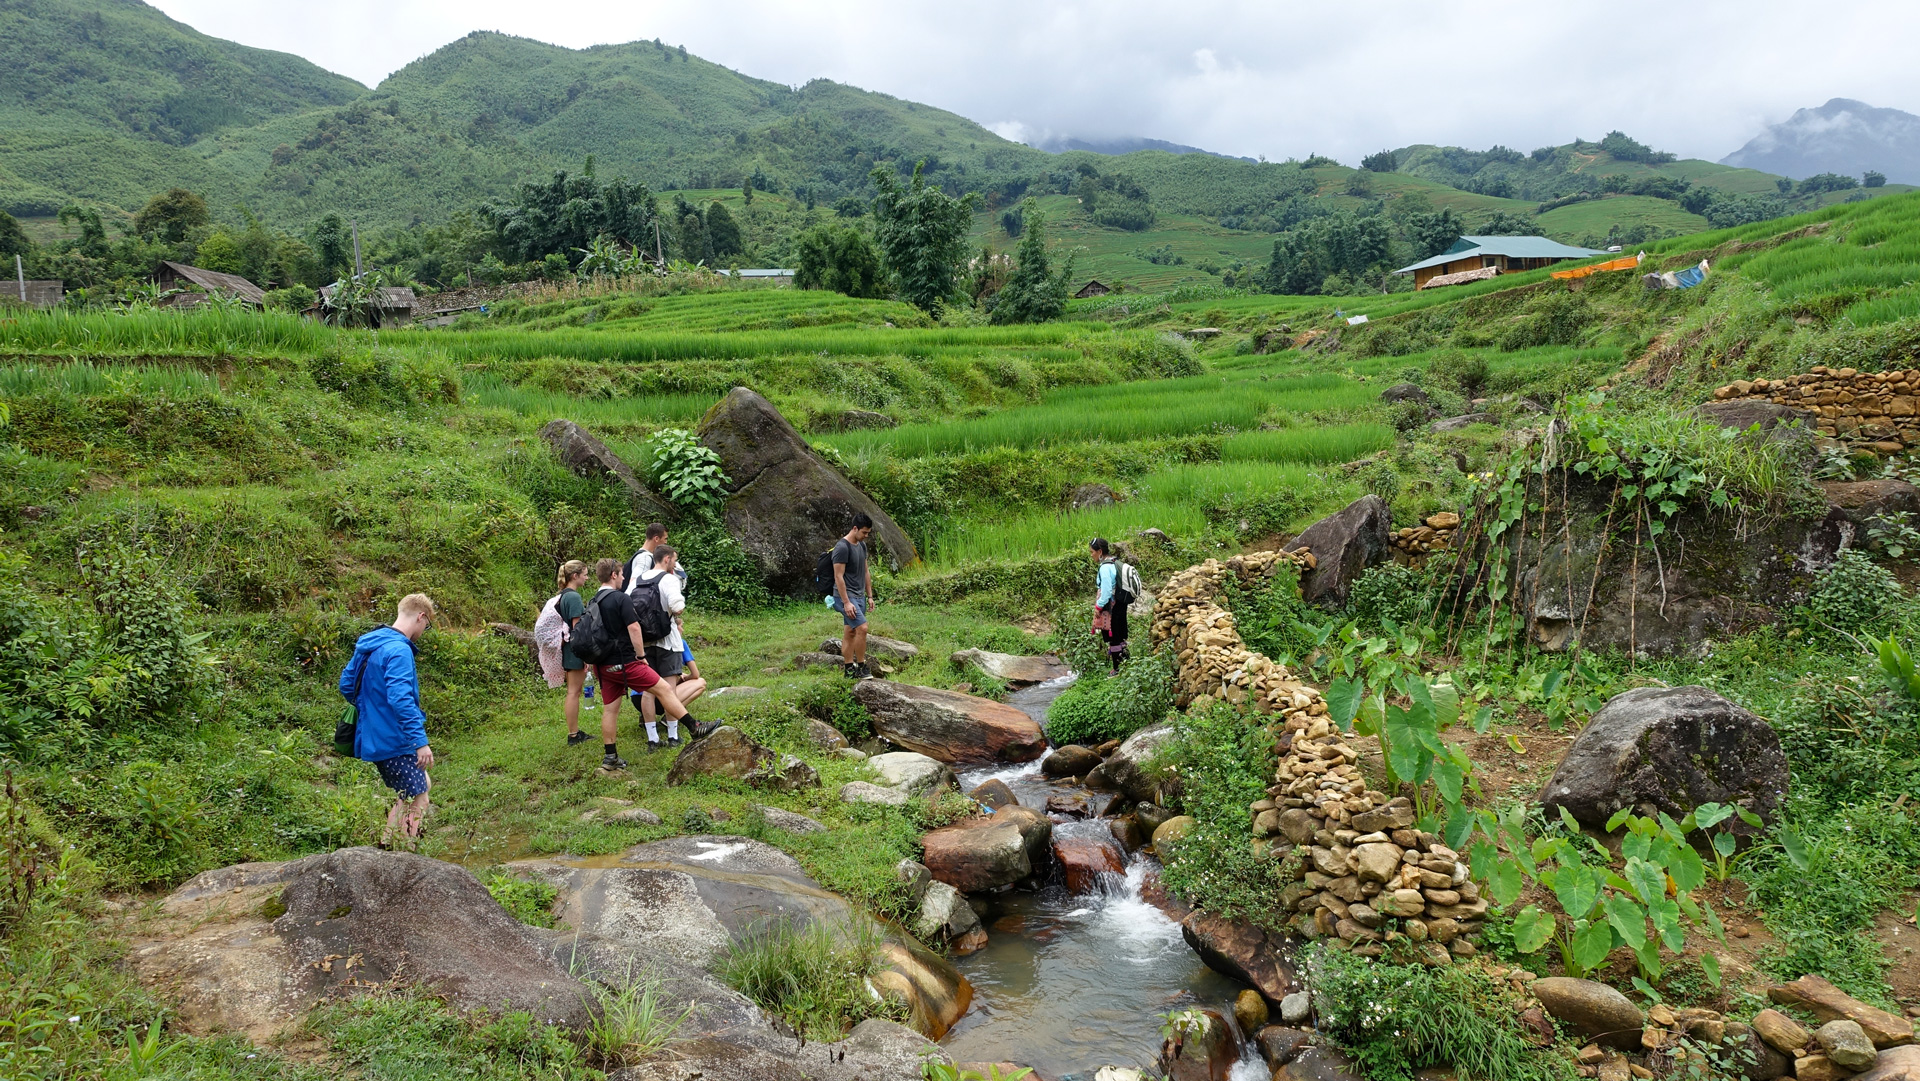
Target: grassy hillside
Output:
[(121, 83), (274, 484)]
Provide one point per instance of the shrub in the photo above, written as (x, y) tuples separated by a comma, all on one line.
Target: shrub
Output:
[(1463, 372), (1224, 763), (720, 574), (1395, 1019), (684, 469), (1852, 595), (812, 976), (1096, 708), (293, 298), (1388, 592), (831, 700)]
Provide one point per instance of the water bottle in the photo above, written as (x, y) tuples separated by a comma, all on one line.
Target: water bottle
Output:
[(588, 694)]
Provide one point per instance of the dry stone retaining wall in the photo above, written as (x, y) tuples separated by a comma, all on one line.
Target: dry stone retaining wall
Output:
[(1876, 410), (1356, 861)]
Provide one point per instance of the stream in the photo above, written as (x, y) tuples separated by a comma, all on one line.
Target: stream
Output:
[(1069, 982)]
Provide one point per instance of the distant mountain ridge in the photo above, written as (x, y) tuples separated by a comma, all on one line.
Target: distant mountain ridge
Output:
[(1060, 144), (1843, 136)]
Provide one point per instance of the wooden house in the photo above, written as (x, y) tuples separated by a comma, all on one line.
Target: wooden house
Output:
[(396, 307), (1503, 254), (1094, 288), (181, 276)]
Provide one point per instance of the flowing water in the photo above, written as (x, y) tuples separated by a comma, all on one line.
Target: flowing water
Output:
[(1071, 982)]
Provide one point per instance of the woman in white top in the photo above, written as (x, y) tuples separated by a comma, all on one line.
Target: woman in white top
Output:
[(667, 656)]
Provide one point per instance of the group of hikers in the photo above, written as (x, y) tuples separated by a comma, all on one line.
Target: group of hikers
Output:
[(630, 635)]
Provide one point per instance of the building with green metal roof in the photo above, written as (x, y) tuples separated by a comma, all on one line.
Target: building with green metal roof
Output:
[(1472, 256)]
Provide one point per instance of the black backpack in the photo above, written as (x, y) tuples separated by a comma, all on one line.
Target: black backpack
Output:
[(823, 571), (655, 622), (591, 642)]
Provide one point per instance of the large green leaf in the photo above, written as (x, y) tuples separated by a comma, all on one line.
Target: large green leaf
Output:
[(1627, 918), (1591, 944), (1666, 920), (1505, 883), (1575, 889), (1447, 778), (1710, 964), (1343, 700), (1446, 703), (1689, 871), (1403, 743), (1648, 881), (1532, 929)]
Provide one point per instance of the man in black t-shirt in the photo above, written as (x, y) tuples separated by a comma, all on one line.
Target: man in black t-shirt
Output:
[(852, 594), (624, 670)]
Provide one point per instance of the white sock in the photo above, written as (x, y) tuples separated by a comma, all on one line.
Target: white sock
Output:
[(673, 728), (653, 732)]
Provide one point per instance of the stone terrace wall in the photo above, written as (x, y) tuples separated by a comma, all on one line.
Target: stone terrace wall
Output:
[(1879, 411), (1359, 862)]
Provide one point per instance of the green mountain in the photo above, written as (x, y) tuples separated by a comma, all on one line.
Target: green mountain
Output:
[(100, 98), (476, 117)]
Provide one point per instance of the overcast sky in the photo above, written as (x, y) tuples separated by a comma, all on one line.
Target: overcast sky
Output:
[(1283, 78)]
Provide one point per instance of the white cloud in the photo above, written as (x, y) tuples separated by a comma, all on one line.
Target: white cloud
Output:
[(1281, 78)]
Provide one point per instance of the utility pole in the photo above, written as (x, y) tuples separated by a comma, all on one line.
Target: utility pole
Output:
[(20, 275), (356, 248), (659, 252)]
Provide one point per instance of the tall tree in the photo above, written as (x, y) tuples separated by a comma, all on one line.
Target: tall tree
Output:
[(922, 232), (1434, 233), (723, 233), (332, 245), (13, 240), (841, 259), (1034, 294), (171, 215)]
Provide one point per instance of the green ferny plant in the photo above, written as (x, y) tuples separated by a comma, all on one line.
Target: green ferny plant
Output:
[(685, 470)]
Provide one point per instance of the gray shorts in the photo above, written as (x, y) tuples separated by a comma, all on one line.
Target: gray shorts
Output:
[(667, 662)]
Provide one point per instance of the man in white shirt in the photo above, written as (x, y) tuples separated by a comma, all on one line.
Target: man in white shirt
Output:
[(667, 656)]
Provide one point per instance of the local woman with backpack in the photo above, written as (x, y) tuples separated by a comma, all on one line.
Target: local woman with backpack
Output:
[(1119, 585), (553, 636)]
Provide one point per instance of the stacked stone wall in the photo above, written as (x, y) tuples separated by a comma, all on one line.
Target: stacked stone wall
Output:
[(1359, 873), (1878, 411)]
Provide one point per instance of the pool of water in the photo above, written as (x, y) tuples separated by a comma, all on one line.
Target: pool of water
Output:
[(1071, 982)]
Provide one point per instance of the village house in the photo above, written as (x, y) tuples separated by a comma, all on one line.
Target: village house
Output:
[(1473, 258), (1094, 288), (180, 276)]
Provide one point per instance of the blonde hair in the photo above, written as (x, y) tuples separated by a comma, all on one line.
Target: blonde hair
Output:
[(570, 568), (416, 604)]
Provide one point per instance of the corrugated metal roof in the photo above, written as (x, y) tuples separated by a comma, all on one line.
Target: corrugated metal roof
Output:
[(211, 280), (1513, 247)]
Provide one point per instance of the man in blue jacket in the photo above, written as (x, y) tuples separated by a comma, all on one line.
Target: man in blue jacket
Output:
[(392, 729)]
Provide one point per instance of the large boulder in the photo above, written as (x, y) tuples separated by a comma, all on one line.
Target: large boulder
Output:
[(725, 752), (1012, 668), (247, 949), (1238, 949), (1129, 769), (682, 902), (1668, 749), (945, 915), (1085, 856), (785, 504), (1864, 500), (1894, 1064), (1592, 1009), (989, 851), (1073, 760), (889, 649), (1828, 1003), (955, 728), (911, 772), (1344, 545), (578, 450), (1715, 575), (874, 1049)]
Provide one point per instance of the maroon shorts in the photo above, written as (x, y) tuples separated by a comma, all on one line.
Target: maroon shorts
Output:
[(631, 676)]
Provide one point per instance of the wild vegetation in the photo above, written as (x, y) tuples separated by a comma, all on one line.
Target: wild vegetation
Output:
[(201, 510)]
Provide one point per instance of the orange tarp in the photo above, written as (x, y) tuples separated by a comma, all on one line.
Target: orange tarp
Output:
[(1627, 263)]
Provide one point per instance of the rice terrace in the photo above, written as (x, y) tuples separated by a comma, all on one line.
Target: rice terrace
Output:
[(549, 563)]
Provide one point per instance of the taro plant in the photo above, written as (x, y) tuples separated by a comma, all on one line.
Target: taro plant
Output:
[(1383, 674), (1640, 905), (1896, 664), (1726, 843), (684, 469)]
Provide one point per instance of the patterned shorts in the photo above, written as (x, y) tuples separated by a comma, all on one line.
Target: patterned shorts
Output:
[(403, 774)]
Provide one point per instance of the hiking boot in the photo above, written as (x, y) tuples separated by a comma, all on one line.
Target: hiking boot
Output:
[(850, 670), (653, 745), (700, 729), (577, 738), (673, 741), (613, 763), (861, 671)]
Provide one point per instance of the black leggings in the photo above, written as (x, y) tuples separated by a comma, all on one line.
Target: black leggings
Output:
[(1116, 635)]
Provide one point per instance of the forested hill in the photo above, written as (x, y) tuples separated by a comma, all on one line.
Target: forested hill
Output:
[(487, 111)]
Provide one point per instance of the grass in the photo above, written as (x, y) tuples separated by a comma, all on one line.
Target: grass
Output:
[(1204, 404), (617, 344), (201, 331), (489, 391), (1334, 443), (634, 1022), (812, 976)]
